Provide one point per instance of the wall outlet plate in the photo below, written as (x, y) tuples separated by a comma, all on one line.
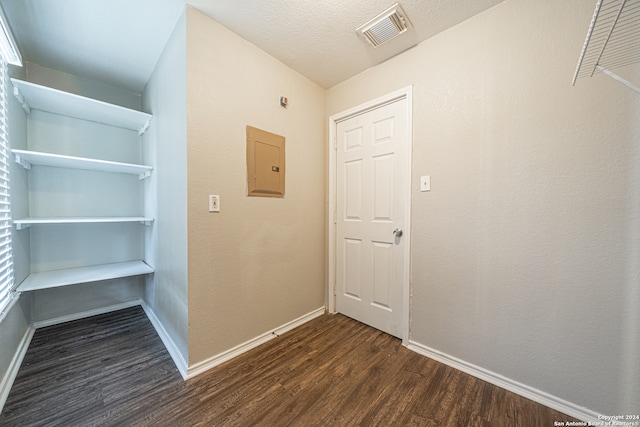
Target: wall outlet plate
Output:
[(425, 183), (214, 203)]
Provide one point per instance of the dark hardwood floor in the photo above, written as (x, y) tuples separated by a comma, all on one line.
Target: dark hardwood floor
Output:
[(112, 370)]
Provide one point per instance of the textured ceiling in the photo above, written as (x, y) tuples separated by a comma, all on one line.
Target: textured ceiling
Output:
[(118, 42), (317, 37)]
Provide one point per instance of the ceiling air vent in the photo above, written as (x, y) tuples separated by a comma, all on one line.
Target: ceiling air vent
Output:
[(389, 24)]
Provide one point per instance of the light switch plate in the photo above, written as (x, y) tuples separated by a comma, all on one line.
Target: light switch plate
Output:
[(425, 183), (214, 203)]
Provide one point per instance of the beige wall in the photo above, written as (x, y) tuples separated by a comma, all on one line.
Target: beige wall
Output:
[(525, 253), (260, 262)]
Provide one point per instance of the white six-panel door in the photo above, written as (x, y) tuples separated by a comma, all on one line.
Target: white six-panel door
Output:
[(372, 192)]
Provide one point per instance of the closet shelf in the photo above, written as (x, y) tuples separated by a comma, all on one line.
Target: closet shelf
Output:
[(72, 276), (26, 222), (28, 158), (37, 97), (612, 41)]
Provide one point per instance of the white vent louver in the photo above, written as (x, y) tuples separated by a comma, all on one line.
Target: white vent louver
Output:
[(389, 24)]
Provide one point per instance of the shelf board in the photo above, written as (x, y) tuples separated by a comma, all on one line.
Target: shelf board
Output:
[(26, 222), (72, 276), (37, 97), (28, 158)]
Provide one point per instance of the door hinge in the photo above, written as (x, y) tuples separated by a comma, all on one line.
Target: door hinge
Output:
[(335, 144)]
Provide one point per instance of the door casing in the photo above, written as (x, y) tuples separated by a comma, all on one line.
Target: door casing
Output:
[(401, 94)]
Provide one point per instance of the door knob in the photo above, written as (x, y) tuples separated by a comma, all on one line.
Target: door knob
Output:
[(397, 232)]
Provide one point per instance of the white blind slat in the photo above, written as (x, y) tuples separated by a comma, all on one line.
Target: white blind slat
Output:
[(6, 252)]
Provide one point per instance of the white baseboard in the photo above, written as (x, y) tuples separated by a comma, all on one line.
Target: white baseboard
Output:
[(14, 366), (170, 345), (218, 359), (523, 390), (83, 314)]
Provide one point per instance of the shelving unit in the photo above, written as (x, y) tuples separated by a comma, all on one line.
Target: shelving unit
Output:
[(26, 222), (72, 276), (37, 97), (27, 158), (612, 41)]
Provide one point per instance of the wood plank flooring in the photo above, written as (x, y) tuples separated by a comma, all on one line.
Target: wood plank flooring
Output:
[(112, 370)]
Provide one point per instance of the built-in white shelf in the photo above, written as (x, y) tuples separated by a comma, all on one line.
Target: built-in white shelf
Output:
[(37, 97), (26, 222), (72, 276), (611, 42), (28, 158)]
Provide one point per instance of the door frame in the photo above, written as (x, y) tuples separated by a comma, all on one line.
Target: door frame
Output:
[(404, 93)]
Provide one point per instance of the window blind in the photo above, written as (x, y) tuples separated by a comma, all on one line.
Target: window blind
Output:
[(6, 252)]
